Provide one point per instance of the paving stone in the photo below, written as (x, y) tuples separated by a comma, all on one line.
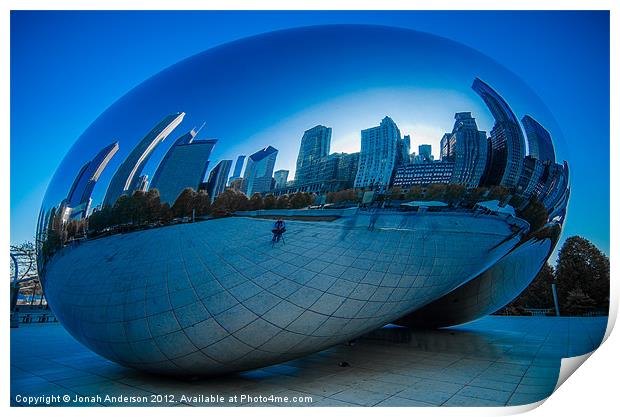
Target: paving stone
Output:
[(390, 367), (428, 395), (360, 397), (463, 401)]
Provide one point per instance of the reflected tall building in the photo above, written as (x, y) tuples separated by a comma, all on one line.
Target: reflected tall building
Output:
[(444, 146), (281, 178), (126, 178), (531, 183), (238, 168), (538, 140), (79, 196), (425, 153), (537, 164), (467, 148), (348, 165), (334, 172), (557, 199), (259, 171), (184, 166), (314, 146), (143, 183), (216, 184), (378, 155), (556, 185), (410, 175), (404, 148), (507, 142)]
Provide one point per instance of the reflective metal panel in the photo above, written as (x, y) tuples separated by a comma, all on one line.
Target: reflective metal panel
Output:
[(491, 290)]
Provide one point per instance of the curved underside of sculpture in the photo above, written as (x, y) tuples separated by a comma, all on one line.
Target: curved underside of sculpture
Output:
[(489, 291)]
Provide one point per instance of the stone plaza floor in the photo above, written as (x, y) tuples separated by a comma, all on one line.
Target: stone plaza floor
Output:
[(495, 361)]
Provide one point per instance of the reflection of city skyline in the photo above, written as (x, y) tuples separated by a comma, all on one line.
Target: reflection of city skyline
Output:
[(467, 156)]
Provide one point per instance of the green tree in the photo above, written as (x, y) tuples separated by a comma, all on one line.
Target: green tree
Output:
[(498, 192), (309, 199), (71, 228), (298, 200), (397, 193), (100, 219), (578, 303), (121, 212), (435, 192), (415, 193), (476, 195), (282, 202), (454, 194), (152, 206), (581, 265), (201, 203), (230, 201), (139, 204), (256, 202), (269, 202), (165, 213), (349, 195), (535, 214), (184, 204)]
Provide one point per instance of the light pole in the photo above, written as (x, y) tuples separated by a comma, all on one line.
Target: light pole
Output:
[(555, 299)]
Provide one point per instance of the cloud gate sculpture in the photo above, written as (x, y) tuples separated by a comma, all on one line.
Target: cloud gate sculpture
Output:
[(280, 234)]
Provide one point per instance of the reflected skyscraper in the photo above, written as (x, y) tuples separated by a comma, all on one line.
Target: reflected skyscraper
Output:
[(444, 146), (238, 168), (259, 171), (83, 185), (378, 154), (184, 166), (467, 148), (411, 175), (507, 142), (530, 183), (425, 153), (556, 185), (143, 183), (538, 140), (216, 184), (404, 147), (560, 194), (281, 177), (334, 172), (314, 146), (127, 175), (539, 171), (348, 165)]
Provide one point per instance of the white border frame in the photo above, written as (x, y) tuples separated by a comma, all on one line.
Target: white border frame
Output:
[(592, 390)]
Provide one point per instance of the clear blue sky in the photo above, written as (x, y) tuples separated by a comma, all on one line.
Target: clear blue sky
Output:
[(67, 67)]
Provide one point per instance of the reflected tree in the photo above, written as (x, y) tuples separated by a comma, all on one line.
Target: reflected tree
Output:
[(269, 202), (256, 202)]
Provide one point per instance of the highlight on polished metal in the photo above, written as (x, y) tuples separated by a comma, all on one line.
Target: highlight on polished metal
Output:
[(227, 215)]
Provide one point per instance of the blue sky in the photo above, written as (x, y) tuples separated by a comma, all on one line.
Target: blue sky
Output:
[(68, 67)]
